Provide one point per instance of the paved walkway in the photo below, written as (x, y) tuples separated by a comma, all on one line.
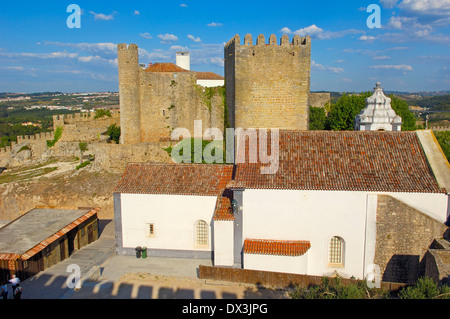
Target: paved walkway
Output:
[(101, 271)]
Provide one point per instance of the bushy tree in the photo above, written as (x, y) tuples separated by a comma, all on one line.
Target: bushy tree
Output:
[(317, 118), (425, 288), (113, 132)]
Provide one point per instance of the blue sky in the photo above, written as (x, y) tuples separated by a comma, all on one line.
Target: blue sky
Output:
[(410, 52)]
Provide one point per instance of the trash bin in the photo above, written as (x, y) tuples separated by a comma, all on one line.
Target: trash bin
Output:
[(144, 252), (138, 252)]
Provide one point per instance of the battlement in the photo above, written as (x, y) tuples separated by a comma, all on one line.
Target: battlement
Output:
[(124, 46), (35, 138), (260, 40), (60, 120)]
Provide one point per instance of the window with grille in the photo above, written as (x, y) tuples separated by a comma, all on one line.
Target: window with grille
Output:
[(336, 251), (202, 233)]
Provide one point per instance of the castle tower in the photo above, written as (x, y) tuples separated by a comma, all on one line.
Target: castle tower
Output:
[(378, 114), (130, 122), (268, 84)]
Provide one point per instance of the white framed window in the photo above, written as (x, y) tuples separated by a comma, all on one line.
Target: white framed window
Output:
[(201, 233), (336, 252)]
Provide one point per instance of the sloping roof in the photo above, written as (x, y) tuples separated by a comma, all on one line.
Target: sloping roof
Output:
[(276, 247), (223, 211), (164, 67), (172, 68), (349, 160), (175, 179), (208, 76), (37, 229)]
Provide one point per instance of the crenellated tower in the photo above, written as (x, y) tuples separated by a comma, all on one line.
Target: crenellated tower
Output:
[(268, 84), (130, 108)]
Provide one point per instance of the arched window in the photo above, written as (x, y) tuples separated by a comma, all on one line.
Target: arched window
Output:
[(336, 252), (201, 233)]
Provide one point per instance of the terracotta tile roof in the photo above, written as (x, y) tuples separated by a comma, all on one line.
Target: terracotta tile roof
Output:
[(276, 247), (41, 228), (36, 249), (164, 67), (175, 179), (223, 210), (350, 160), (208, 76)]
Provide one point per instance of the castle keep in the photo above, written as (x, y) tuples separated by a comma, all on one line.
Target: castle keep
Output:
[(268, 85), (157, 99)]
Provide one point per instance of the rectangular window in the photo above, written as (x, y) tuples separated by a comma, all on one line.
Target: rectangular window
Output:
[(150, 230)]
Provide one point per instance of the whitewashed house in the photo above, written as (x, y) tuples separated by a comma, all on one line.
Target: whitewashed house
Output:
[(323, 212)]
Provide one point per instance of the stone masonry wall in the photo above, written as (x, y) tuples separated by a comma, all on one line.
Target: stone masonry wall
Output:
[(271, 82), (403, 236), (319, 99), (174, 100)]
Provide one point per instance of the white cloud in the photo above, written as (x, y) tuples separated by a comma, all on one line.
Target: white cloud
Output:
[(168, 38), (319, 67), (146, 35), (103, 48), (388, 4), (215, 24), (183, 5), (367, 38), (401, 67), (381, 57), (286, 30), (436, 8), (15, 68), (101, 16), (136, 12), (194, 38), (179, 48), (315, 32), (53, 55)]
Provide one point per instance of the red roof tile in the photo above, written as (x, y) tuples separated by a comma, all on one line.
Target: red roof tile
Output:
[(208, 76), (175, 179), (223, 210), (350, 160), (36, 249), (164, 67), (276, 247)]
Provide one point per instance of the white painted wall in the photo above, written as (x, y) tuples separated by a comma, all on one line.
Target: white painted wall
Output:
[(174, 218), (223, 243), (287, 264), (211, 83), (317, 216)]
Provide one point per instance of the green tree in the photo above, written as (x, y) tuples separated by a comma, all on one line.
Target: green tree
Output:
[(83, 148), (425, 288), (348, 106), (343, 112), (113, 132), (401, 108), (333, 288), (444, 141), (317, 118), (101, 113)]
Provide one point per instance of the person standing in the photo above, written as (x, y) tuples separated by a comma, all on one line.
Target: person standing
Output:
[(14, 282), (18, 292), (4, 291)]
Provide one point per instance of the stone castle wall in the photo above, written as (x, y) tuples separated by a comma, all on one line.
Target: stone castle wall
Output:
[(319, 99), (268, 84), (404, 235), (153, 104)]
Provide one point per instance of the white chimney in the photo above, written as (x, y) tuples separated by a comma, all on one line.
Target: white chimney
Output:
[(184, 60)]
